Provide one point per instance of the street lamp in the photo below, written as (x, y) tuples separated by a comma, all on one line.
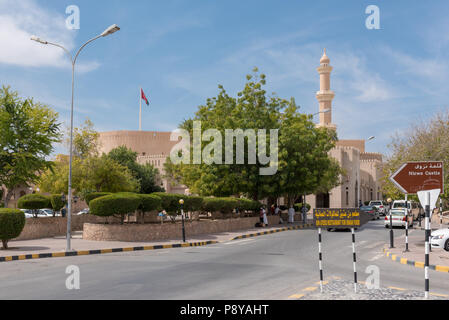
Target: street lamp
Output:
[(112, 29), (324, 111), (181, 202)]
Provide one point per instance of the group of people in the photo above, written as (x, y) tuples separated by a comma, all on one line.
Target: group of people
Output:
[(276, 211)]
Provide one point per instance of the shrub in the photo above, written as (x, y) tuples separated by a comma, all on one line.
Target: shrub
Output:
[(170, 202), (224, 205), (248, 205), (150, 202), (115, 205), (34, 202), (56, 202), (366, 203), (94, 195), (192, 203), (12, 222)]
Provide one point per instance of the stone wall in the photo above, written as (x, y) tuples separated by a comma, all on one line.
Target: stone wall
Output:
[(154, 232), (51, 227)]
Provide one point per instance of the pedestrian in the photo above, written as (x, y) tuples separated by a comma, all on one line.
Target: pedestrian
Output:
[(360, 204), (272, 210), (277, 212), (261, 215), (291, 215), (265, 219)]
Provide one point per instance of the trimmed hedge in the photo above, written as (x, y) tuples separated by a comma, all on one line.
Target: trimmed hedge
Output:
[(224, 205), (56, 202), (298, 207), (150, 202), (249, 205), (170, 202), (94, 195), (34, 202), (115, 205), (12, 222), (192, 203)]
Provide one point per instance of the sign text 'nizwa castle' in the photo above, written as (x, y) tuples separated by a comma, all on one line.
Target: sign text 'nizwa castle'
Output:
[(362, 180)]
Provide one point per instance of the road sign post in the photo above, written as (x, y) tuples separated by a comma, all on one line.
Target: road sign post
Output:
[(427, 258), (406, 224), (339, 219)]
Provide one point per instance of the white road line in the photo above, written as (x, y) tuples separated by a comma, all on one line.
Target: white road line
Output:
[(376, 257), (236, 242)]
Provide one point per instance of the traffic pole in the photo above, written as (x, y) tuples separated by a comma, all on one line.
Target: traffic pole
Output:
[(391, 231), (320, 260), (354, 259), (426, 264), (406, 224), (441, 213)]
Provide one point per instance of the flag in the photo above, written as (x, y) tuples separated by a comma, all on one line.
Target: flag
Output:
[(142, 95)]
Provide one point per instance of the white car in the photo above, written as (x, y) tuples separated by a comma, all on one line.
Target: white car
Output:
[(440, 239), (399, 219), (27, 213), (380, 205)]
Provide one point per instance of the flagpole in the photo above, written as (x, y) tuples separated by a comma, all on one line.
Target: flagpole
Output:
[(140, 111)]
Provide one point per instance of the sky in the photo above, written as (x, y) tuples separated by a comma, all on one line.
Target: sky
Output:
[(385, 80)]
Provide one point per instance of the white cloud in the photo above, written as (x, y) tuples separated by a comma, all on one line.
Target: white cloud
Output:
[(19, 20)]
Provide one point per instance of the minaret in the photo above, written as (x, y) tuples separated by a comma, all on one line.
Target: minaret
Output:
[(325, 95)]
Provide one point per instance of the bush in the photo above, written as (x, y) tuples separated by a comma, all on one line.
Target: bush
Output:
[(170, 202), (115, 205), (224, 205), (56, 202), (248, 205), (34, 202), (12, 222), (94, 195), (366, 203), (150, 202), (192, 203)]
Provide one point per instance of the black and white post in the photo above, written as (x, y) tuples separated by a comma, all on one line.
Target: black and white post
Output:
[(406, 224), (426, 264), (441, 213), (354, 259), (320, 259)]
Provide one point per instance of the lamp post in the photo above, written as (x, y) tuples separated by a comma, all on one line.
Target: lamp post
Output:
[(112, 29), (181, 202)]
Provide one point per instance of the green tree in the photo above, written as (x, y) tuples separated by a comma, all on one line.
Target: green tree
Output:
[(304, 165), (146, 174), (85, 140), (427, 141), (28, 131)]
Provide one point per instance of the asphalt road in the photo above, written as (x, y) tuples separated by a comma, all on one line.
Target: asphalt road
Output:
[(268, 267)]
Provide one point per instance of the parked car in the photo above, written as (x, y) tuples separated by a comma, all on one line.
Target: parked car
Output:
[(84, 211), (440, 239), (380, 205), (372, 211), (412, 207), (27, 212), (399, 218), (45, 213)]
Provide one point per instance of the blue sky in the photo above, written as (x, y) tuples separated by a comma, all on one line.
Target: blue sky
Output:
[(179, 51)]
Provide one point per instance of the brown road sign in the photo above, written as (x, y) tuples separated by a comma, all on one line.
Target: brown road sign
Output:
[(413, 177)]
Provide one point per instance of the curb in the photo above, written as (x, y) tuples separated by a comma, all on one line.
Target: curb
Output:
[(102, 251), (415, 264), (251, 235)]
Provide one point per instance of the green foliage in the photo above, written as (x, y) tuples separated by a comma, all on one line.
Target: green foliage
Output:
[(192, 203), (94, 195), (85, 140), (12, 222), (169, 202), (56, 202), (304, 164), (34, 202), (95, 174), (146, 174), (115, 205), (223, 205), (248, 205), (424, 141), (150, 202), (28, 131)]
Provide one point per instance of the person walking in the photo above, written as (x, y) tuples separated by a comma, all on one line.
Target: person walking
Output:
[(265, 219)]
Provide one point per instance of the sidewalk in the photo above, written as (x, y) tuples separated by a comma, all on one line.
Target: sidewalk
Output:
[(57, 245), (439, 259)]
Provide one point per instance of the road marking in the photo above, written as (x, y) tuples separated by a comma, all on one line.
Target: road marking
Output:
[(238, 242), (310, 289), (296, 296), (396, 288), (324, 282), (376, 257)]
